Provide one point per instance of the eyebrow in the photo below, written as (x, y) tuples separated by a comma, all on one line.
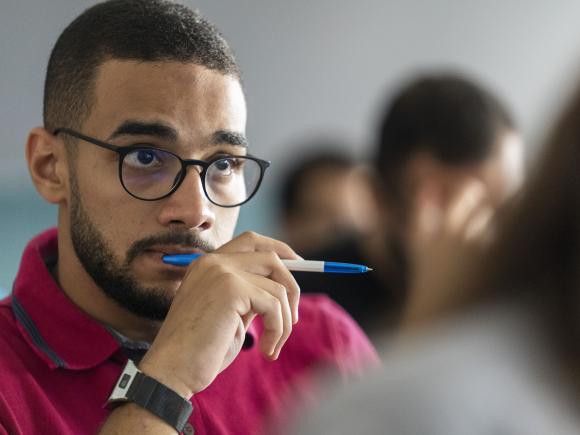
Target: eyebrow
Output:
[(163, 131), (136, 128), (229, 138)]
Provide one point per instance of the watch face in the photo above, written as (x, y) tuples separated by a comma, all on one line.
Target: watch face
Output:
[(123, 384), (151, 395), (124, 381)]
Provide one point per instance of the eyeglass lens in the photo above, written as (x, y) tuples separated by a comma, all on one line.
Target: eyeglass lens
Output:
[(152, 173)]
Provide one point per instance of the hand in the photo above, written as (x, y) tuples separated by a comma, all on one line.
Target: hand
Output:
[(442, 239), (220, 295)]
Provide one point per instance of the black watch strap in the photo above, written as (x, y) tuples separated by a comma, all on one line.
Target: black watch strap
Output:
[(160, 400)]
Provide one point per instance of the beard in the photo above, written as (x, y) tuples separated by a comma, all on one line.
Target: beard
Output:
[(115, 278)]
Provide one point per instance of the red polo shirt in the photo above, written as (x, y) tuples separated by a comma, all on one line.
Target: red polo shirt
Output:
[(58, 365)]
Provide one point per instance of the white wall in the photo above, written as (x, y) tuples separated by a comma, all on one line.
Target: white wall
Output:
[(310, 66)]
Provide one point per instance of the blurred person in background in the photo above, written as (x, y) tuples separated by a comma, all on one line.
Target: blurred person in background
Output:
[(494, 347), (444, 138), (324, 196)]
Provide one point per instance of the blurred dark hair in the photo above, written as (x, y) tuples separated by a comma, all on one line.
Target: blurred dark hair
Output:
[(143, 30), (446, 115), (324, 157)]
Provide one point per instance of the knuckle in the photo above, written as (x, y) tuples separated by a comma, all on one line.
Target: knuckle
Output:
[(297, 289), (207, 260), (274, 304), (217, 270), (251, 235), (272, 257), (278, 290), (286, 246)]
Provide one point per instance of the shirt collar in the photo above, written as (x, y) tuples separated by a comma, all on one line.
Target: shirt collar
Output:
[(59, 331)]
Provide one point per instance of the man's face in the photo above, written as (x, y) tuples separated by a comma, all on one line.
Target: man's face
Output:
[(120, 240)]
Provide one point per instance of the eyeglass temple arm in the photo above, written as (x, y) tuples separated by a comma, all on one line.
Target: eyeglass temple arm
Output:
[(86, 138)]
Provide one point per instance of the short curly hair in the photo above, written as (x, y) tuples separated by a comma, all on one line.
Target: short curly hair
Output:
[(144, 30)]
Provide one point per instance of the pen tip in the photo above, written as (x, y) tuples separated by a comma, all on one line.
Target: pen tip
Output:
[(369, 269)]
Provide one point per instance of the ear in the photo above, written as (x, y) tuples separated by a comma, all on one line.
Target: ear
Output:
[(48, 165)]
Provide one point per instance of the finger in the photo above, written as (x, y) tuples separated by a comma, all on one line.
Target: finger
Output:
[(479, 226), (282, 275), (256, 270), (270, 309), (268, 264), (279, 292), (252, 242), (463, 206)]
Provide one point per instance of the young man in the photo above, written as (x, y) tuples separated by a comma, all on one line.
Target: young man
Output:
[(143, 149)]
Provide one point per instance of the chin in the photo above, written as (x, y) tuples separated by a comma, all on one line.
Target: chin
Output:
[(168, 285)]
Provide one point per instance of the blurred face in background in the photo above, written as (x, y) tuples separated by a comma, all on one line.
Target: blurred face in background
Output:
[(332, 204), (499, 177)]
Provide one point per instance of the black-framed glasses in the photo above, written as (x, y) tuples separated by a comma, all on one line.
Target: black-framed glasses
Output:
[(150, 173)]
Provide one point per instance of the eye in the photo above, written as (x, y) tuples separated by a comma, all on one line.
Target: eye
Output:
[(145, 158), (224, 167)]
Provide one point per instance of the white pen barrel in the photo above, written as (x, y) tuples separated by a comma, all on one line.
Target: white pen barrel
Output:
[(304, 265)]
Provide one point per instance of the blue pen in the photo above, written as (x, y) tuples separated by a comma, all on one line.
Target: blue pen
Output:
[(293, 265)]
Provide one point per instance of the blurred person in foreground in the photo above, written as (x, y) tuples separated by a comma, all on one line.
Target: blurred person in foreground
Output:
[(495, 347), (443, 137), (144, 151), (324, 196)]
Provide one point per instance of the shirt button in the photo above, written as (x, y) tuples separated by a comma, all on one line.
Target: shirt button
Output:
[(188, 429)]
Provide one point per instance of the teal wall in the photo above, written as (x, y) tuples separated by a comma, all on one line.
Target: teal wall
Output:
[(23, 214)]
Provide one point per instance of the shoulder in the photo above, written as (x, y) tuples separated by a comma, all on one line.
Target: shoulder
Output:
[(469, 379), (8, 330), (319, 307), (324, 329), (16, 355), (318, 312), (11, 341)]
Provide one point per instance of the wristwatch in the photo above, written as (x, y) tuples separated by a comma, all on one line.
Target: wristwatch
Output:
[(134, 386)]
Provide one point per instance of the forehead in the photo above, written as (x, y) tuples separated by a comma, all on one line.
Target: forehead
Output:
[(189, 97)]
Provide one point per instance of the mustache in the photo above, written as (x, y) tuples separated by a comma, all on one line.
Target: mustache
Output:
[(177, 238)]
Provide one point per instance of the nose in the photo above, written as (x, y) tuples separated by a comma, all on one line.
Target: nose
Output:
[(188, 206)]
